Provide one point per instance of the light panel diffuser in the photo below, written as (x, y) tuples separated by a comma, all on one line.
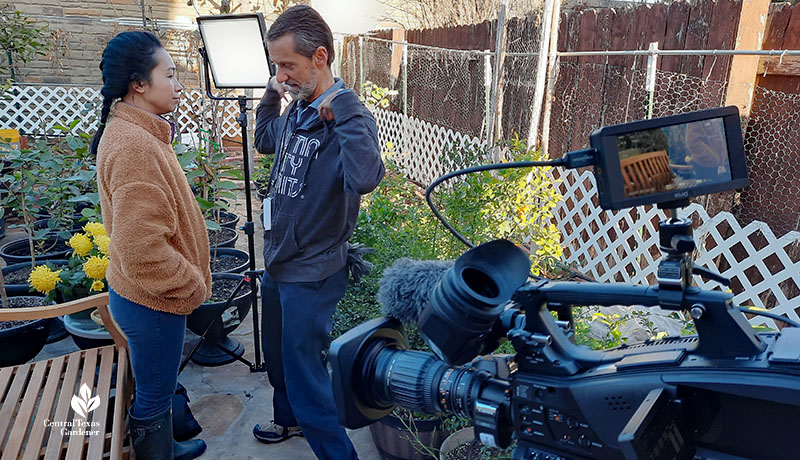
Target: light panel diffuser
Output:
[(236, 50)]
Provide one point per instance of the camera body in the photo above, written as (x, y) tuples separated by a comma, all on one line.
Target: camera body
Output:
[(727, 393)]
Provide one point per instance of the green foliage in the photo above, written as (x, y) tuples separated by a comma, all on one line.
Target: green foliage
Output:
[(20, 40), (211, 178), (396, 221), (50, 177), (375, 96), (515, 204)]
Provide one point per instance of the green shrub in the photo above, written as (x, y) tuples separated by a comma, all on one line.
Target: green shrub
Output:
[(395, 220)]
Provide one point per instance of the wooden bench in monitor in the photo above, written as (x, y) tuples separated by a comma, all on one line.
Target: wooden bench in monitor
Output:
[(36, 397), (646, 173)]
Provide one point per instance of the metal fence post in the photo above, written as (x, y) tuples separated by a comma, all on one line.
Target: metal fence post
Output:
[(360, 64), (499, 49), (405, 78), (650, 84), (552, 75), (541, 72)]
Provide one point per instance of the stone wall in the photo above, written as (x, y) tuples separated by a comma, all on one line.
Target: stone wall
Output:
[(81, 29)]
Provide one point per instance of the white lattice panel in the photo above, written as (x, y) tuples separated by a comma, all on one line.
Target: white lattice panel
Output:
[(36, 109), (419, 146), (622, 246), (33, 109)]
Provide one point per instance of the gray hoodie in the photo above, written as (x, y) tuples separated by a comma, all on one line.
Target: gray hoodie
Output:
[(320, 171)]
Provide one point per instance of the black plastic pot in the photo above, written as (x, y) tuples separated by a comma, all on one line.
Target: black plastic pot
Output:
[(18, 251), (227, 219), (241, 257), (77, 224), (391, 437), (224, 322), (57, 331), (22, 343), (228, 239)]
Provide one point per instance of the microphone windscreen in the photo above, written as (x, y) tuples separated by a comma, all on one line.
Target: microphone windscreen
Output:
[(407, 286)]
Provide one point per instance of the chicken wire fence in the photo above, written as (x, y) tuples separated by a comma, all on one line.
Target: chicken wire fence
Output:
[(451, 87), (588, 96)]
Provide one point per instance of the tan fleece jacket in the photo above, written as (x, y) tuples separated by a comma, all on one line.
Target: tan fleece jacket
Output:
[(159, 245)]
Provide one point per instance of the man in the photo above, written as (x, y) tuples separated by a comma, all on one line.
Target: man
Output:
[(326, 156)]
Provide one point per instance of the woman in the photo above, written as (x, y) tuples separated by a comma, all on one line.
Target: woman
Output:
[(159, 270)]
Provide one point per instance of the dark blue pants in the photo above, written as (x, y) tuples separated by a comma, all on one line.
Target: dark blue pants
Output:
[(155, 340), (296, 323)]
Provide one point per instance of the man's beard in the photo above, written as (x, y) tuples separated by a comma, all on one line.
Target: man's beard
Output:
[(306, 89)]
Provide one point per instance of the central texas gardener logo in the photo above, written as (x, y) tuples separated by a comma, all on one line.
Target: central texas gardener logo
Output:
[(83, 403)]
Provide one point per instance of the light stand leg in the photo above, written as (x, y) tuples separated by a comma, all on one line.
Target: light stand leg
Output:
[(249, 230)]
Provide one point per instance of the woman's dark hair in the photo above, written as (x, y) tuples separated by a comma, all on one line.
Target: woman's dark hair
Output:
[(128, 57), (309, 29)]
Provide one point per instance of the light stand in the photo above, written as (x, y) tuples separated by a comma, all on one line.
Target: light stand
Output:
[(260, 72)]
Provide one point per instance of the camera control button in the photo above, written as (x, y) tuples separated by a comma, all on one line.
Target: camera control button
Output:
[(572, 422), (584, 442)]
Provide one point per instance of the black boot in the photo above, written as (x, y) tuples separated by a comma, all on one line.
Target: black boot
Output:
[(184, 425), (151, 439)]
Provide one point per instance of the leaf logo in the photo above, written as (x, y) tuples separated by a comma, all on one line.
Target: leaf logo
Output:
[(84, 403)]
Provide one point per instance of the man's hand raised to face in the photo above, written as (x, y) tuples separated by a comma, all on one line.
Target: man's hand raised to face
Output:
[(325, 110)]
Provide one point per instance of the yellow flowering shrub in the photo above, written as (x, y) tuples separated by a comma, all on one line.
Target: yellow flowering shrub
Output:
[(95, 267), (81, 244), (102, 242), (95, 228), (86, 271), (44, 279)]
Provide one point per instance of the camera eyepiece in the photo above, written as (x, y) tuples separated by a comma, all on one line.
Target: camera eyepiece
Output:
[(469, 299)]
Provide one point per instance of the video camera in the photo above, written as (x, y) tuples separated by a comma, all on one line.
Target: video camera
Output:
[(727, 393)]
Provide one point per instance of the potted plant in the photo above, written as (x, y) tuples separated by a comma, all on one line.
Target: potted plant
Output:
[(27, 183), (408, 435), (83, 275), (229, 260), (21, 341), (223, 320), (210, 179)]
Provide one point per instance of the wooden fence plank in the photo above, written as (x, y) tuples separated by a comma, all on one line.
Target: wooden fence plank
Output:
[(777, 22), (722, 36), (675, 35), (696, 35)]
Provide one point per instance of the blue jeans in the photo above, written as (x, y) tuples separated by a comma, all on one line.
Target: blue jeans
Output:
[(303, 394), (155, 340)]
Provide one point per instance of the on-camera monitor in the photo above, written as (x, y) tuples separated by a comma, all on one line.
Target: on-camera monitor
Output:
[(669, 159)]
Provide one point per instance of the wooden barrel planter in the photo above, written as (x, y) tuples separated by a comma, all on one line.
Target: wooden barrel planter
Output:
[(391, 438)]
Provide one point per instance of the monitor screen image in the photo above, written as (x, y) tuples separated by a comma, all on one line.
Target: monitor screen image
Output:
[(674, 158)]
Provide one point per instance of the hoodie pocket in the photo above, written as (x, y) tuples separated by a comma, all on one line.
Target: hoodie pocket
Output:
[(283, 241)]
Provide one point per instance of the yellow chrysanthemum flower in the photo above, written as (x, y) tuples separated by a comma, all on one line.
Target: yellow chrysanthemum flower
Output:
[(102, 242), (97, 286), (43, 279), (95, 267), (81, 244), (95, 228)]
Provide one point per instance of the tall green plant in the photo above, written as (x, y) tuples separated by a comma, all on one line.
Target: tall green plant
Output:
[(20, 40), (211, 178)]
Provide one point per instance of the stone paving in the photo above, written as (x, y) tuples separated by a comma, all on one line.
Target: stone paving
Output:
[(228, 400)]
